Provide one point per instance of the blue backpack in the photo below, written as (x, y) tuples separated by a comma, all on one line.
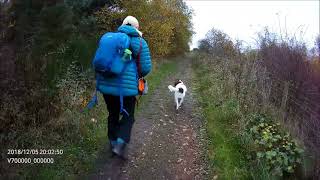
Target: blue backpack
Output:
[(111, 59)]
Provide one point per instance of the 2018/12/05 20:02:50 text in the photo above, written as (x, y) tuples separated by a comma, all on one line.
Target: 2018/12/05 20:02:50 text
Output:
[(35, 151)]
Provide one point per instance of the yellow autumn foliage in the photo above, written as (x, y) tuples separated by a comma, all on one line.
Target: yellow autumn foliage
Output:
[(166, 25)]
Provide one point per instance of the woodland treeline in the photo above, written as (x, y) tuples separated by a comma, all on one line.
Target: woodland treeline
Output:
[(46, 51)]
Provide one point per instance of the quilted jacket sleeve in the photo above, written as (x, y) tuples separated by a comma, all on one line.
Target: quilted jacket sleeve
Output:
[(145, 57)]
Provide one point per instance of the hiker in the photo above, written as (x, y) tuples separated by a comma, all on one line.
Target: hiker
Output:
[(120, 91)]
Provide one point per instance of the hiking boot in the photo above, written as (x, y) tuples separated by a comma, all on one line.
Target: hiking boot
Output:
[(118, 149), (111, 145)]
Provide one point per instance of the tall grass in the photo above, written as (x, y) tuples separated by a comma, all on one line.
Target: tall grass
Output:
[(232, 151), (227, 148), (294, 87), (289, 69), (276, 79)]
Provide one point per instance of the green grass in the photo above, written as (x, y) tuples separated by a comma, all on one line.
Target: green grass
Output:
[(227, 149), (234, 151), (80, 155)]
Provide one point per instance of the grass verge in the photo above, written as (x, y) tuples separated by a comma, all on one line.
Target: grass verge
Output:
[(227, 151), (244, 143)]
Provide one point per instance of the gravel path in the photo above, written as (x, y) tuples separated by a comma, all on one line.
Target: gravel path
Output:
[(165, 144)]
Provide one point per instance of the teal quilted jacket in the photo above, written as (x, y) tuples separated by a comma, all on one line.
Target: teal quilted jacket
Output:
[(127, 82)]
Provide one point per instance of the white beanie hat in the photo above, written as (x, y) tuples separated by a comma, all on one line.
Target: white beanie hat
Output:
[(130, 20)]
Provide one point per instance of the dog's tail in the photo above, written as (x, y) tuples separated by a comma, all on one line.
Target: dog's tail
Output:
[(171, 88)]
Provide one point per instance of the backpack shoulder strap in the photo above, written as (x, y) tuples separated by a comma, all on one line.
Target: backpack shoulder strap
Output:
[(139, 69), (138, 60)]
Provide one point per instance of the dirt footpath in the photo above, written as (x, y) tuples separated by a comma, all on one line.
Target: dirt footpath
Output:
[(165, 144)]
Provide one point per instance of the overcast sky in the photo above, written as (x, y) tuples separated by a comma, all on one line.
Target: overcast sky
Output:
[(244, 19)]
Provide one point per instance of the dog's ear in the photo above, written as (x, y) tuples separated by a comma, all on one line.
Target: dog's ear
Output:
[(176, 82)]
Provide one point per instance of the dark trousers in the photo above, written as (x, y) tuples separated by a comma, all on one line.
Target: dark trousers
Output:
[(116, 127)]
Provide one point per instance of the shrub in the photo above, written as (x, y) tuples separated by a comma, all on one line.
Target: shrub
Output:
[(286, 61), (74, 86), (276, 149), (278, 78), (218, 44)]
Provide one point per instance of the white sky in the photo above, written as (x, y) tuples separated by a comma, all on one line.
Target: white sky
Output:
[(244, 19)]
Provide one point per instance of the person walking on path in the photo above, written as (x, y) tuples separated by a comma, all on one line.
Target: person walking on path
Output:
[(120, 91)]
